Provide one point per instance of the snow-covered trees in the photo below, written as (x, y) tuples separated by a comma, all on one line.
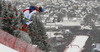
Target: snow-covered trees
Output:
[(38, 34), (37, 30), (7, 12)]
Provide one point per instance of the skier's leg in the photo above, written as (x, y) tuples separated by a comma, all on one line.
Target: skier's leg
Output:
[(23, 27), (26, 14), (28, 23)]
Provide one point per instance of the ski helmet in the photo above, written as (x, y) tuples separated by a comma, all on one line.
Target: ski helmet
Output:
[(41, 9)]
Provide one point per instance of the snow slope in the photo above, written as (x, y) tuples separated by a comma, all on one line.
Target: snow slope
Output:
[(4, 48), (77, 44)]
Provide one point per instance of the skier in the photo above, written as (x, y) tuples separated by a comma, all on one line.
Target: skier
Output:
[(28, 13)]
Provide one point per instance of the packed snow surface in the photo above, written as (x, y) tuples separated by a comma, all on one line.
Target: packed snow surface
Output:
[(4, 48)]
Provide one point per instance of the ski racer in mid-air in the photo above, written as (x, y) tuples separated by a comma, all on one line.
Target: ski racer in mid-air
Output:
[(28, 13)]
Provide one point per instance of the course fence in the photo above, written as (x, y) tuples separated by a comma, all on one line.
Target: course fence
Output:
[(17, 44)]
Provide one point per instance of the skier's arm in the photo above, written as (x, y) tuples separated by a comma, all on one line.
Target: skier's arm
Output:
[(32, 13)]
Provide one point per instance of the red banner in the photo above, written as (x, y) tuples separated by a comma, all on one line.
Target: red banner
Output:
[(30, 48), (2, 36), (9, 40), (20, 45), (17, 44)]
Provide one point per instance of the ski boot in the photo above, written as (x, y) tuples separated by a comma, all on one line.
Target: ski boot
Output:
[(24, 28)]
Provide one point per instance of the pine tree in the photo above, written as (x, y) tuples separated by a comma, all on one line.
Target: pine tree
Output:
[(8, 12), (0, 7), (39, 35)]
